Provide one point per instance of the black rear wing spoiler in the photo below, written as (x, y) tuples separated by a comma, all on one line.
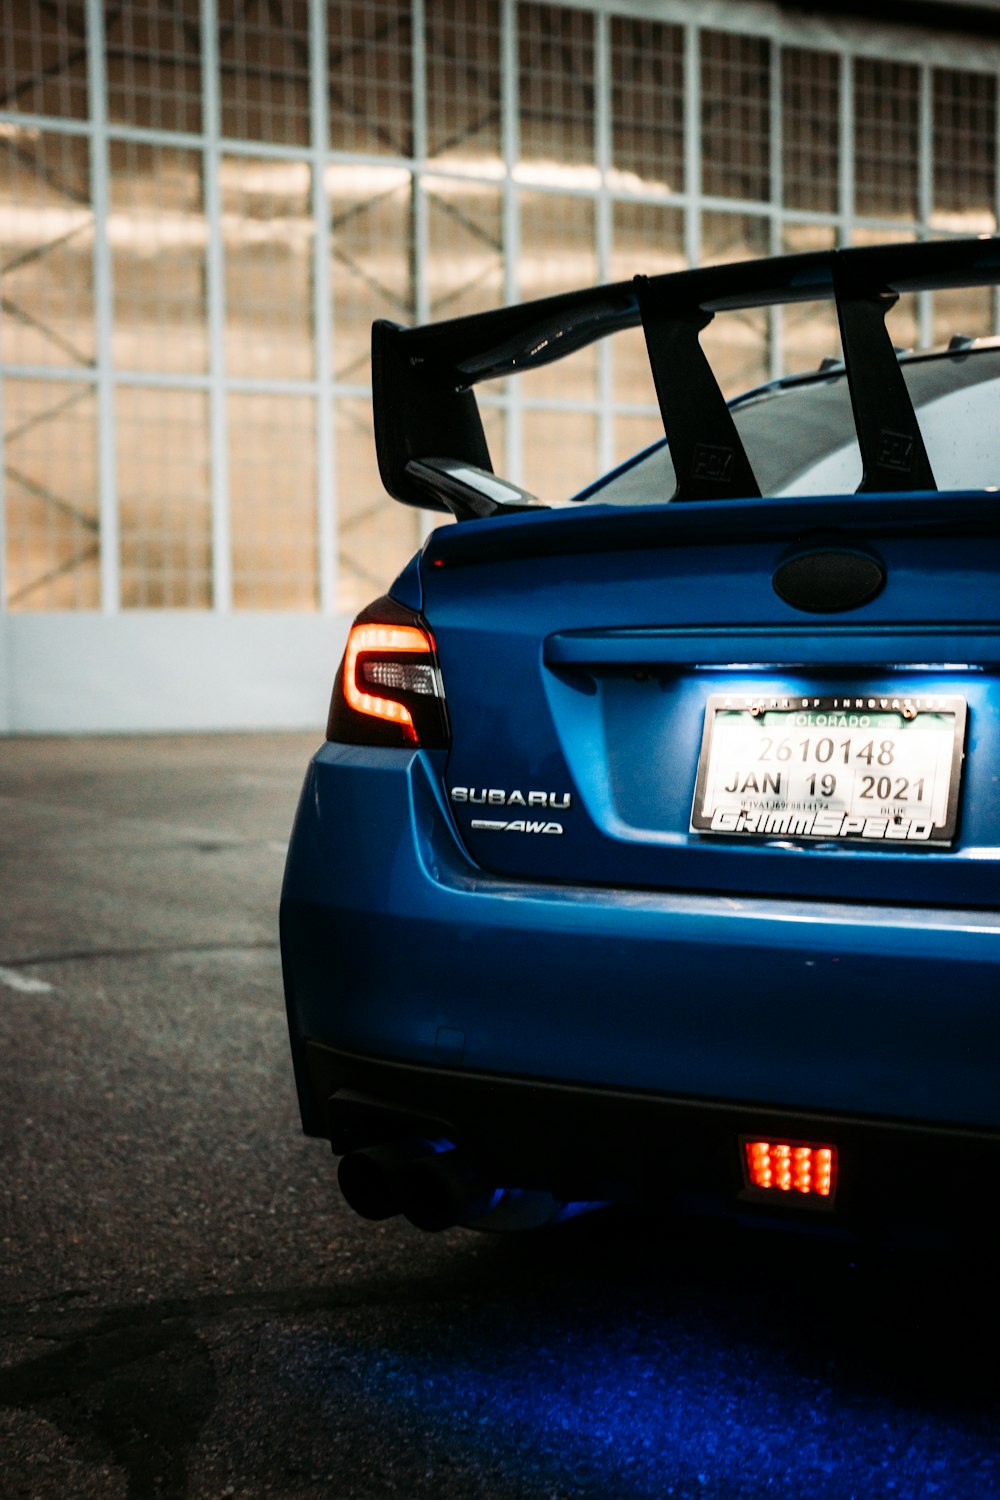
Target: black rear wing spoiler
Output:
[(429, 437)]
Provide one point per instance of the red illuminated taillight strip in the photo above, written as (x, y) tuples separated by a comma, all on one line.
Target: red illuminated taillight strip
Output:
[(389, 689), (389, 641), (798, 1168)]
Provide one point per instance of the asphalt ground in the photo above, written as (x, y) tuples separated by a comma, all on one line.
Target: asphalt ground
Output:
[(187, 1308)]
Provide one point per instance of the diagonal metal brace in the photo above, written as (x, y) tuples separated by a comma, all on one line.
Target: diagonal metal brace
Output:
[(708, 455), (893, 456)]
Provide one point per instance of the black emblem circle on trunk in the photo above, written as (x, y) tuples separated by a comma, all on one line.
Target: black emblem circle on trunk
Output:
[(825, 580)]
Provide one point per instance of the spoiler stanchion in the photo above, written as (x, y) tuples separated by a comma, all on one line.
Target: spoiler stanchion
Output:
[(893, 456), (708, 456)]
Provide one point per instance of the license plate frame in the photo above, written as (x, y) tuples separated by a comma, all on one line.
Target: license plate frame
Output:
[(742, 790)]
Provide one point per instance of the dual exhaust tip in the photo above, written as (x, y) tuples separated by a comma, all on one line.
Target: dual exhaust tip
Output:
[(434, 1186)]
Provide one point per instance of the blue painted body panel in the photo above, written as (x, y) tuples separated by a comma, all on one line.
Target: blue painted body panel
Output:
[(392, 934)]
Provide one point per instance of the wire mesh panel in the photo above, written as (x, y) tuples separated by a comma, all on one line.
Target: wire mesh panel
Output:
[(964, 152), (371, 237), (964, 186), (555, 89), (375, 536), (264, 67), (43, 62), (373, 276), (268, 235), (153, 63), (465, 269), (810, 130), (647, 105), (272, 507), (165, 518), (886, 138), (46, 249), (735, 116), (464, 84), (158, 236), (560, 452), (50, 478), (647, 240), (370, 76)]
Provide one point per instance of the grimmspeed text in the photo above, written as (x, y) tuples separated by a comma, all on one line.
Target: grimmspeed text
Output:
[(827, 824)]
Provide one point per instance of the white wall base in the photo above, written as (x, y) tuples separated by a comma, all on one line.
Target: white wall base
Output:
[(86, 673)]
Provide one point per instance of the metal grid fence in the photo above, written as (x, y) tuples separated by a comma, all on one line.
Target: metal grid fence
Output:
[(204, 203)]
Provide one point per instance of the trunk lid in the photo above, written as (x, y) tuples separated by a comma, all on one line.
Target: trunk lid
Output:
[(580, 649)]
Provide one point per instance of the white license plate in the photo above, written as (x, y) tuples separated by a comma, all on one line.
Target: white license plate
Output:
[(882, 768)]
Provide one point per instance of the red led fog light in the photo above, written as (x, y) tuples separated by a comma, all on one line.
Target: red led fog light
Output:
[(801, 1169)]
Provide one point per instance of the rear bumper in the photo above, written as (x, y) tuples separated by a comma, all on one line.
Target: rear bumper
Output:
[(397, 949), (583, 1144)]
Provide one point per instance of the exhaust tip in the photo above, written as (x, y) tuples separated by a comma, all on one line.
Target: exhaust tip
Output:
[(373, 1180), (444, 1189)]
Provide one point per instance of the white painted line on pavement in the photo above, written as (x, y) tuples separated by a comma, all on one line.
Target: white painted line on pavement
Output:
[(15, 980)]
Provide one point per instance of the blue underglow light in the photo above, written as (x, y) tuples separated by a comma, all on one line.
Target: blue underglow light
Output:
[(534, 1395)]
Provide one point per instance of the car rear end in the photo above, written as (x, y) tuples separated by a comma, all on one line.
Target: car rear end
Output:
[(652, 857)]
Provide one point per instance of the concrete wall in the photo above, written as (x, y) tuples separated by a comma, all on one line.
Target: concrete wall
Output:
[(68, 673)]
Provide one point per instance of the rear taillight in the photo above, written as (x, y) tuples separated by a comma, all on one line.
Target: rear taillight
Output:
[(799, 1169), (388, 689)]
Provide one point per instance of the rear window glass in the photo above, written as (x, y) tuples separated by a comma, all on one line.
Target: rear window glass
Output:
[(800, 438)]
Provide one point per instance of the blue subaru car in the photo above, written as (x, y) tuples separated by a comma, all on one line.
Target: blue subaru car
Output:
[(653, 854)]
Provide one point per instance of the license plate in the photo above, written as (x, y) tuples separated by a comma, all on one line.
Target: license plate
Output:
[(881, 768)]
